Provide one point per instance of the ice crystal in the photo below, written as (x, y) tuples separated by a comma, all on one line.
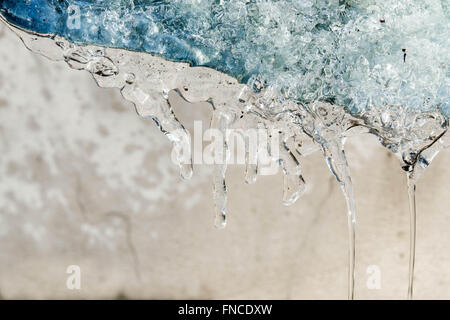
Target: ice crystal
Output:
[(357, 54), (317, 71)]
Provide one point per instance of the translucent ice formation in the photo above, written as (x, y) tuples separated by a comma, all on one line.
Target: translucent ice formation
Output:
[(316, 71), (357, 54)]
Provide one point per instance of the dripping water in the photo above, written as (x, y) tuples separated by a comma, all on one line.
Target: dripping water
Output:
[(412, 232), (347, 188), (337, 163), (416, 164)]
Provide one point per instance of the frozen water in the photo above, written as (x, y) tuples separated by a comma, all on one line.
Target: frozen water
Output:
[(357, 54), (316, 71)]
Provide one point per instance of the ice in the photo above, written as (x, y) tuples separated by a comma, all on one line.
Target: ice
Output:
[(317, 72), (356, 54)]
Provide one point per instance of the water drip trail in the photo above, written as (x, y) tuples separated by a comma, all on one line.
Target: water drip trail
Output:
[(414, 169), (347, 188), (412, 235), (337, 162)]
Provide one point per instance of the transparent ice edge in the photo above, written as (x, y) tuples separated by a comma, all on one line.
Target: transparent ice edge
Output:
[(416, 137)]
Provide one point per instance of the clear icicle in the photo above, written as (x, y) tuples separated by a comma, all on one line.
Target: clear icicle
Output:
[(251, 172), (251, 162), (149, 103), (412, 237), (415, 164), (337, 162), (219, 121), (155, 105), (293, 183)]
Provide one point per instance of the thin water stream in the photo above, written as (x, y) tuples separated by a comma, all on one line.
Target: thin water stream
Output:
[(337, 163), (412, 237)]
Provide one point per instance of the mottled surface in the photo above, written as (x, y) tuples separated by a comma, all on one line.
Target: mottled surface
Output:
[(85, 181)]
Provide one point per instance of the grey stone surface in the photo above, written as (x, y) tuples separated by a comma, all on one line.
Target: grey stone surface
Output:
[(84, 181)]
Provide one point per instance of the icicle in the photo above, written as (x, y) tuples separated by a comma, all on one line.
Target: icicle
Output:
[(293, 183), (251, 162), (412, 237), (251, 172), (219, 121), (337, 162), (156, 106), (415, 164)]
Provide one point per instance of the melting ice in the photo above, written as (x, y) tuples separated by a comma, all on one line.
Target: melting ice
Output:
[(357, 54), (316, 70)]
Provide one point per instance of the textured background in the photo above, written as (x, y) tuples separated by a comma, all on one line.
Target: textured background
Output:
[(85, 181)]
